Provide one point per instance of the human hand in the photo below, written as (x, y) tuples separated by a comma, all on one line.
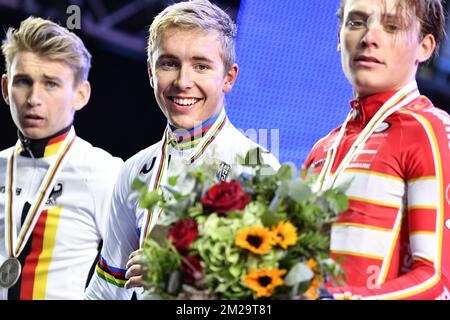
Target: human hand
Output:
[(134, 270)]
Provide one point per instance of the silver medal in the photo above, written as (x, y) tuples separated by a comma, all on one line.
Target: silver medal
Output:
[(9, 272)]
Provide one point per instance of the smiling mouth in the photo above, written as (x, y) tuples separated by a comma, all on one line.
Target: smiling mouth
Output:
[(184, 102)]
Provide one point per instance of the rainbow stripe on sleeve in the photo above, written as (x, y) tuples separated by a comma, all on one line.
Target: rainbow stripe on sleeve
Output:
[(115, 276)]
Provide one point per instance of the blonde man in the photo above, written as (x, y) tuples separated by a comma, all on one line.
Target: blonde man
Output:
[(54, 186), (191, 65), (394, 145)]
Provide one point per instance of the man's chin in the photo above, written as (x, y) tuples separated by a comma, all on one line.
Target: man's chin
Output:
[(186, 122), (35, 133)]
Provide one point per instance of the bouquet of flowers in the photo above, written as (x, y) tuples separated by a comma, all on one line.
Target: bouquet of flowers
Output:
[(256, 236)]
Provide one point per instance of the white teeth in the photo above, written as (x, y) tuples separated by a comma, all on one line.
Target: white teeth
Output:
[(185, 102)]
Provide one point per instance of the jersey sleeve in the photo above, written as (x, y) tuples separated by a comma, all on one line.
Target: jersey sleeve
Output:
[(122, 238), (424, 271), (101, 182)]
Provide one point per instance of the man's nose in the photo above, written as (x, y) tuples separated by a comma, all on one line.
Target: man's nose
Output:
[(35, 96), (372, 35), (184, 78)]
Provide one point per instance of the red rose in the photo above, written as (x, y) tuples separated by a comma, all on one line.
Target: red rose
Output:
[(224, 197), (192, 271), (182, 234)]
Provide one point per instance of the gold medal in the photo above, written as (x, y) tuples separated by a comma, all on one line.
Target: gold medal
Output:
[(9, 272)]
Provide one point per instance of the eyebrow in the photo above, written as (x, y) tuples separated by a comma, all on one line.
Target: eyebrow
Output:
[(47, 77), (194, 58), (357, 13), (167, 56), (202, 58), (365, 15)]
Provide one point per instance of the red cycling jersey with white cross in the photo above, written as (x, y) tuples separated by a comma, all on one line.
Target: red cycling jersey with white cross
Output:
[(394, 238)]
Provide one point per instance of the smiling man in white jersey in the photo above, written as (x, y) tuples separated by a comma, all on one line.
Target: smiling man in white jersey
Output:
[(54, 187), (394, 145), (191, 65)]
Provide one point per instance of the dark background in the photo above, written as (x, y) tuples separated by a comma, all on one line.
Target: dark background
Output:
[(122, 116)]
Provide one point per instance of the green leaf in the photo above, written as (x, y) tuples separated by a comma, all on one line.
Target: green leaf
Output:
[(235, 270), (343, 186), (138, 184), (149, 199), (300, 191), (253, 158), (341, 203), (269, 219), (287, 171), (173, 180), (299, 273), (283, 189)]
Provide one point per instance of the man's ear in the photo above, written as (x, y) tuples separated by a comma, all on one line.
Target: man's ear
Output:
[(82, 95), (230, 78), (426, 48), (5, 92), (150, 74)]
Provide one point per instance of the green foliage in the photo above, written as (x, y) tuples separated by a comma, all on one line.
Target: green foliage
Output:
[(285, 195), (165, 260)]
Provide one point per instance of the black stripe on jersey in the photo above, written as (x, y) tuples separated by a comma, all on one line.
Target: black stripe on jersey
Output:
[(14, 291)]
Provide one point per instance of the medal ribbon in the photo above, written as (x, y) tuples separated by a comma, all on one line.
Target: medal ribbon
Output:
[(404, 96), (193, 157), (15, 244)]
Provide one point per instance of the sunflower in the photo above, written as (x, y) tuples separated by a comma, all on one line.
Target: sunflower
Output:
[(312, 264), (255, 239), (264, 281), (313, 293), (285, 234)]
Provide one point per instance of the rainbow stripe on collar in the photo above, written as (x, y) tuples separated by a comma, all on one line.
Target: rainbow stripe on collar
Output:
[(182, 139)]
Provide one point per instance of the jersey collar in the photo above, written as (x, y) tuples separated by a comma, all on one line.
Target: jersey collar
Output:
[(39, 148)]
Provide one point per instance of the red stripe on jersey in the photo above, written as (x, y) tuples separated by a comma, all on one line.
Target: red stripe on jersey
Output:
[(369, 215), (29, 268), (422, 220)]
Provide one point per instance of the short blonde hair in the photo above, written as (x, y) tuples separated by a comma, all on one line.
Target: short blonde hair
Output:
[(196, 14), (48, 39)]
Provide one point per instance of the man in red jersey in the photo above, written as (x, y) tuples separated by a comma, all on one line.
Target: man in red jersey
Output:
[(394, 146)]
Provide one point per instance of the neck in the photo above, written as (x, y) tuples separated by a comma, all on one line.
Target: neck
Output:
[(38, 148), (189, 138)]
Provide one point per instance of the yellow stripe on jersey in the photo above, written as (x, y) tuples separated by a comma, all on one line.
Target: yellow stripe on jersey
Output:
[(363, 226), (45, 258), (387, 261), (380, 203), (374, 173), (424, 286), (357, 254), (422, 207)]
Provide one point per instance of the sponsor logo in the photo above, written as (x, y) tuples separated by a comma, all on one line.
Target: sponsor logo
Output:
[(374, 272), (318, 163), (445, 295), (146, 169), (444, 117), (55, 194), (382, 127), (223, 172), (447, 194), (447, 224), (18, 190)]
